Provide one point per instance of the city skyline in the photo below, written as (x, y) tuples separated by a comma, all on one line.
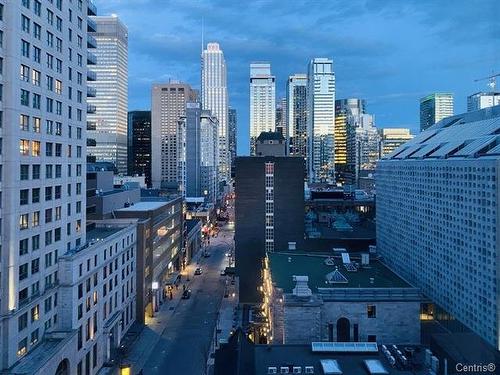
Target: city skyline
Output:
[(390, 71)]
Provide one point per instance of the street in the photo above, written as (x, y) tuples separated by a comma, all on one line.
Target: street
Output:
[(185, 342)]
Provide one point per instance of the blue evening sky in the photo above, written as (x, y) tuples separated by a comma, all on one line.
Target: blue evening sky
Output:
[(389, 52)]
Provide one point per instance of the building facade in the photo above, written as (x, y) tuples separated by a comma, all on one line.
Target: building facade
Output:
[(392, 138), (281, 118), (269, 214), (214, 98), (296, 112), (233, 132), (262, 101), (434, 108), (108, 117), (42, 163), (168, 105), (321, 121), (482, 100), (199, 154), (139, 144), (437, 218)]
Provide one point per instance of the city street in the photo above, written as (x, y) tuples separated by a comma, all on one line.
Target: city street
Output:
[(184, 344)]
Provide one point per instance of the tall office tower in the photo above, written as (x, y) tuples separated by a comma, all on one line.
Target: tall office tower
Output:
[(168, 106), (437, 218), (214, 98), (434, 108), (321, 121), (281, 119), (341, 124), (233, 131), (392, 138), (43, 163), (199, 154), (296, 98), (262, 101), (481, 100), (139, 144), (363, 143), (108, 117)]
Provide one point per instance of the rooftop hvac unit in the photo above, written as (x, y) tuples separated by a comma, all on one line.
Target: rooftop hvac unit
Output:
[(292, 245), (297, 370), (272, 370), (372, 249), (365, 259), (284, 370), (309, 370)]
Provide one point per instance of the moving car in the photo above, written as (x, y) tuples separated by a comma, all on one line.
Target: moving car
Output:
[(186, 294), (197, 271)]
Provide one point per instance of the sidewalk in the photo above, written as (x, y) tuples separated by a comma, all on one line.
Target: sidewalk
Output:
[(138, 350)]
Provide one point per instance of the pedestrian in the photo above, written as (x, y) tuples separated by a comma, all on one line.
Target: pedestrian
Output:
[(183, 287), (171, 295)]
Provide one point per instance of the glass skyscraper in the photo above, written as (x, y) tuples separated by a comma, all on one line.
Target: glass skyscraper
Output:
[(296, 89), (434, 108), (108, 122)]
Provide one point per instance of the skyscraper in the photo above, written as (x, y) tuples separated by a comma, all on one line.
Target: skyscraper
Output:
[(199, 153), (341, 125), (437, 219), (42, 167), (262, 101), (139, 144), (392, 138), (296, 108), (281, 118), (481, 100), (214, 97), (233, 131), (434, 108), (109, 120), (168, 105), (321, 120)]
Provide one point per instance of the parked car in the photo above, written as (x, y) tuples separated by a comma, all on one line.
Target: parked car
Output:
[(197, 271), (186, 294), (223, 272)]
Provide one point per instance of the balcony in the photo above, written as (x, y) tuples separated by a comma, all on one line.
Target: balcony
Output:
[(91, 42), (91, 75), (91, 142), (90, 110), (91, 92), (91, 58), (91, 9), (91, 125), (91, 25)]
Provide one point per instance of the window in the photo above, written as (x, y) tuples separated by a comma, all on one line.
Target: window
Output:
[(24, 172), (25, 49), (34, 337), (24, 122), (23, 221), (36, 171), (48, 193), (24, 147), (35, 195), (36, 124), (37, 7), (37, 31), (25, 23), (35, 266), (22, 345), (22, 322), (24, 197), (37, 54), (23, 247), (35, 313), (23, 271), (35, 148), (25, 97), (36, 218), (371, 311), (36, 101), (35, 242), (25, 73)]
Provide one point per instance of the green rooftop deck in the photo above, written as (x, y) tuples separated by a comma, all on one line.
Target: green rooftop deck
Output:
[(285, 265)]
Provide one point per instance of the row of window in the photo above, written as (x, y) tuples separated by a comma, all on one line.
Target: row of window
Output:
[(49, 104), (49, 173), (51, 127)]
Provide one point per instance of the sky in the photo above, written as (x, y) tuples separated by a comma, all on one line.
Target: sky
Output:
[(388, 52)]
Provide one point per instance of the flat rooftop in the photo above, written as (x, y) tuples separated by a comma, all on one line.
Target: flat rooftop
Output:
[(144, 206), (348, 363), (285, 265), (100, 233)]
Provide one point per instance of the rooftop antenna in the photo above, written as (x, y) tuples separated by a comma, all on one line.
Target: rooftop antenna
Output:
[(492, 80)]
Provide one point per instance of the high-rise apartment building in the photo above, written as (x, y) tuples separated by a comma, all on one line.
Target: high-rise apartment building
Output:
[(437, 218), (168, 106), (108, 108), (296, 108), (321, 120), (434, 108), (199, 154), (139, 144), (233, 131), (392, 138), (482, 100), (262, 101), (214, 98)]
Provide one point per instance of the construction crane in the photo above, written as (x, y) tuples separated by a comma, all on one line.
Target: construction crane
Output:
[(492, 84)]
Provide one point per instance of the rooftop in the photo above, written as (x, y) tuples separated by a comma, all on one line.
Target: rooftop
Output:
[(144, 206), (468, 135), (285, 265), (270, 136), (101, 233)]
